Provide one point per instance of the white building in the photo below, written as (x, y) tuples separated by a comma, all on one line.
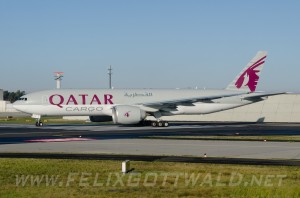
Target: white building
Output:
[(7, 109), (2, 103)]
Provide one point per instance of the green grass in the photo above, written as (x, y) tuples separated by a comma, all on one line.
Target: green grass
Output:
[(275, 138), (207, 184)]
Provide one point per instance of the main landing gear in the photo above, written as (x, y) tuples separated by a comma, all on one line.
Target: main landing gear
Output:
[(156, 123), (159, 124)]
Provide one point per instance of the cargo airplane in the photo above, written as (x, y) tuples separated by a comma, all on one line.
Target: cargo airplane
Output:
[(133, 106)]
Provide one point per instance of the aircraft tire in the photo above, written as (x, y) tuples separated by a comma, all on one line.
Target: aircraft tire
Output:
[(154, 124), (165, 124), (39, 124)]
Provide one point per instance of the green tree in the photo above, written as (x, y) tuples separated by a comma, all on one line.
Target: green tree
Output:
[(13, 96), (5, 95)]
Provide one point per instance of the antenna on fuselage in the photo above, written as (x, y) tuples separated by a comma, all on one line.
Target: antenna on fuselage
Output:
[(58, 77), (110, 74)]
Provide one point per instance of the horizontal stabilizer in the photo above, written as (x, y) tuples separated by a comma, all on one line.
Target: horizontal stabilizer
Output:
[(260, 96)]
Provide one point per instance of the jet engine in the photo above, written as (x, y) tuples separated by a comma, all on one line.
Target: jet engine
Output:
[(125, 114), (100, 118)]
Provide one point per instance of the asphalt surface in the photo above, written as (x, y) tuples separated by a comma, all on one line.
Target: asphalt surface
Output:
[(152, 158), (16, 133), (111, 140)]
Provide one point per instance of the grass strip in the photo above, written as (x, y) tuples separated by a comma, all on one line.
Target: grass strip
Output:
[(101, 178)]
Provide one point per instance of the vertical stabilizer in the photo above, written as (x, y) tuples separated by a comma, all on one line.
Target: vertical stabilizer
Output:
[(247, 80)]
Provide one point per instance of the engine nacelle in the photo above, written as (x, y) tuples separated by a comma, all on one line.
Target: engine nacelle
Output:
[(100, 118), (125, 114)]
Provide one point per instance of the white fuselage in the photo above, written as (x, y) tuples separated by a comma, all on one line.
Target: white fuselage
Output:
[(89, 102)]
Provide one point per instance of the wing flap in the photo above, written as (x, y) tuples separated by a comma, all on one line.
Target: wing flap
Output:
[(261, 96)]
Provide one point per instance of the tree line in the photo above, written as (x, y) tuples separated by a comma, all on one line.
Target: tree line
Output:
[(13, 96)]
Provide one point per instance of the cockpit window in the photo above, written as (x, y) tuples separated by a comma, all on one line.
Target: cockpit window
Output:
[(25, 99)]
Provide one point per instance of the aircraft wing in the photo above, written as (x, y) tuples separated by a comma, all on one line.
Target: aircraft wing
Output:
[(261, 96), (187, 101)]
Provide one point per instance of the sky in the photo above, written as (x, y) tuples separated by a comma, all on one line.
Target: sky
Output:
[(150, 44)]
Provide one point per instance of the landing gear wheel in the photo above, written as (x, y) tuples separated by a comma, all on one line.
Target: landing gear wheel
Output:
[(39, 124), (165, 124), (154, 124), (159, 124)]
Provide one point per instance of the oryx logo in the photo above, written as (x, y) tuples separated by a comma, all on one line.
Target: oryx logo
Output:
[(250, 77), (127, 114)]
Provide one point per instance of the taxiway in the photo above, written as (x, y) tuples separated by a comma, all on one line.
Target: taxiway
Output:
[(111, 139)]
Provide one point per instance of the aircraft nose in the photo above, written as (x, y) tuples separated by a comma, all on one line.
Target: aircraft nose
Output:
[(16, 105)]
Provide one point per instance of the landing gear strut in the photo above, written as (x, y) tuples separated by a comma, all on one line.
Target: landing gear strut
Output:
[(158, 122)]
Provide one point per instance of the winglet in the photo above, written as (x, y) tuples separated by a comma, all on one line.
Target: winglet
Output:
[(247, 80)]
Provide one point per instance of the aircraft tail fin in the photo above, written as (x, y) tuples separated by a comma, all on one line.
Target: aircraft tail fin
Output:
[(247, 80)]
